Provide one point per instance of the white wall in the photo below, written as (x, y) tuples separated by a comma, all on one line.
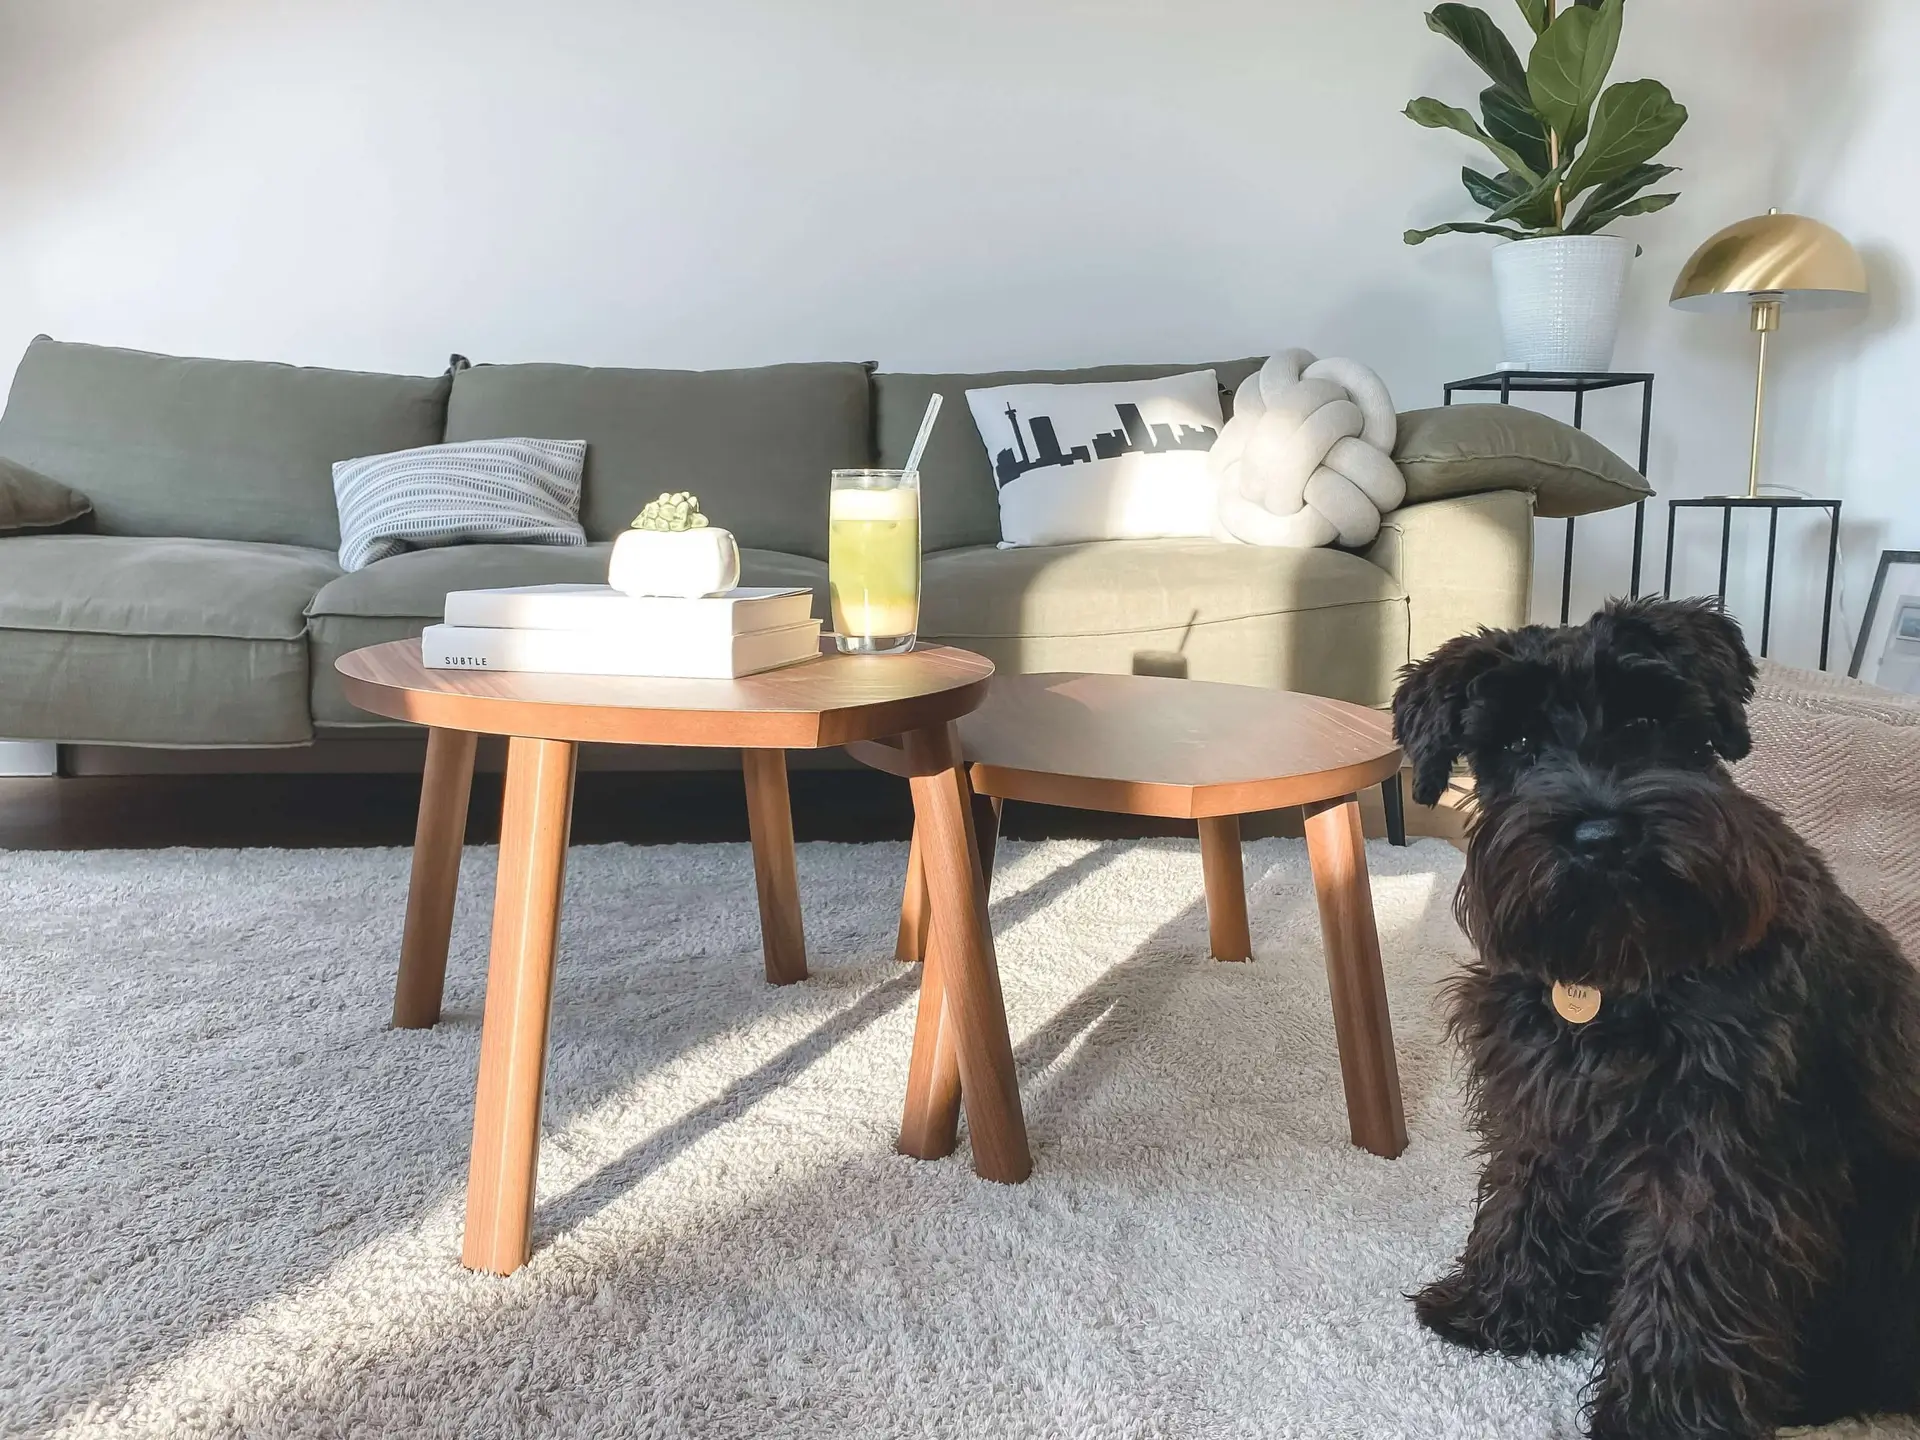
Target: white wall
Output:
[(375, 183)]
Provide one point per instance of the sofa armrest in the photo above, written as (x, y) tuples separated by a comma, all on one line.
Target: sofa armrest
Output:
[(1464, 562)]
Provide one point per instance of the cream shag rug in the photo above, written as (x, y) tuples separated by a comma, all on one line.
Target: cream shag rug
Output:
[(231, 1196)]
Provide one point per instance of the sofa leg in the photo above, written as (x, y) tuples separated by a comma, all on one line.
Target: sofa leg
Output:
[(1396, 809)]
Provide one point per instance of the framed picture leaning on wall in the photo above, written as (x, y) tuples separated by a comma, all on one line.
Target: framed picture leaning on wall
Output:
[(1888, 653)]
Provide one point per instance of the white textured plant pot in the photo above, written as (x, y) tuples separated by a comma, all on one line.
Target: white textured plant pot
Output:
[(1560, 299), (683, 563)]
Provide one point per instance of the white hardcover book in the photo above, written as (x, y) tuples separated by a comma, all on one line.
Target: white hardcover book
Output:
[(601, 608), (656, 654)]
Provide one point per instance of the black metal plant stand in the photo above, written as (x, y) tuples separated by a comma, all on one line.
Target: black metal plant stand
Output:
[(1579, 384), (1773, 505)]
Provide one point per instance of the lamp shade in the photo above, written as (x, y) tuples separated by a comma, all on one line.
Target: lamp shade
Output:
[(1807, 265)]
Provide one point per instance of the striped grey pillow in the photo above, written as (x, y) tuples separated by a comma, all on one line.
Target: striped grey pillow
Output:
[(519, 490)]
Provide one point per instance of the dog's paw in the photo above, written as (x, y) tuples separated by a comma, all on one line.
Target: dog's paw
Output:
[(1451, 1309), (1462, 1315)]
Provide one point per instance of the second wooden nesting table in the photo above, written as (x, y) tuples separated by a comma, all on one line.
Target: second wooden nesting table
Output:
[(1189, 750)]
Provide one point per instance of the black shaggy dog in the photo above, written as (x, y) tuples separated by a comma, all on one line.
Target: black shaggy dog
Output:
[(1719, 1171)]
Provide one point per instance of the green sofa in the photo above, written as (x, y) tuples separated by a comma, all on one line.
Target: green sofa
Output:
[(202, 605)]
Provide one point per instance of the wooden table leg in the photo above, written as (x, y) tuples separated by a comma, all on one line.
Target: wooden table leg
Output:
[(438, 836), (931, 1126), (783, 940), (910, 945), (1367, 1066), (930, 1123), (961, 1006), (1226, 888), (513, 1041)]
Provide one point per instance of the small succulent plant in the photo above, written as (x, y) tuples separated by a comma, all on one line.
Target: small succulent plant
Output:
[(675, 510)]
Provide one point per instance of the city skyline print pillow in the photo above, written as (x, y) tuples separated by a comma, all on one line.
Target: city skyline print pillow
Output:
[(1118, 460)]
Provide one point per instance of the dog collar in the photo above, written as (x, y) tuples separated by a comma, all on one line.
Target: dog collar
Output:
[(1576, 1004)]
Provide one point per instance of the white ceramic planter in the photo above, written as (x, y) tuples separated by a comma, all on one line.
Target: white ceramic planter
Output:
[(685, 563), (1560, 299)]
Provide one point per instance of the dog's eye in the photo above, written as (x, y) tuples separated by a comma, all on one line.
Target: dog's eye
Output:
[(1522, 745), (1640, 725)]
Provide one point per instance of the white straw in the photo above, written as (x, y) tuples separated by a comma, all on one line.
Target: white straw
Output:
[(926, 429)]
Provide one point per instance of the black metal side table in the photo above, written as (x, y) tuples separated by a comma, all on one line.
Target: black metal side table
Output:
[(1579, 384), (1773, 505)]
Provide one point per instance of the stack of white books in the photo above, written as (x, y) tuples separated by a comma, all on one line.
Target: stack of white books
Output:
[(597, 630)]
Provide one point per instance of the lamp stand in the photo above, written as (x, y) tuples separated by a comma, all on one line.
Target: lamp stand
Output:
[(1766, 320)]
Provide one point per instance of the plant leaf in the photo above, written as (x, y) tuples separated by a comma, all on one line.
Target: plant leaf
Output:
[(1617, 192), (1596, 221), (1486, 45), (1515, 126), (1463, 227), (1493, 191), (1534, 209), (1438, 115), (1536, 13), (1569, 66), (1633, 122)]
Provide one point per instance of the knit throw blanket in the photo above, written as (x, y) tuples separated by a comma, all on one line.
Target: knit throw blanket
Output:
[(1841, 760)]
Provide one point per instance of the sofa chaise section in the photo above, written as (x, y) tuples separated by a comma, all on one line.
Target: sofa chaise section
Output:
[(1318, 620)]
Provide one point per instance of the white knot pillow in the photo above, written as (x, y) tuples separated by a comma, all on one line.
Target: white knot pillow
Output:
[(1308, 457)]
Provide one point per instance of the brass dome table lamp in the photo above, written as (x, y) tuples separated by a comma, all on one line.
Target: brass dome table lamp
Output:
[(1767, 265)]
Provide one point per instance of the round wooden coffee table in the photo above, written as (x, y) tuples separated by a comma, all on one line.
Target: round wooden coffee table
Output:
[(836, 700), (1191, 750)]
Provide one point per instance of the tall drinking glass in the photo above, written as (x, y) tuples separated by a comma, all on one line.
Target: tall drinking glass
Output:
[(873, 560)]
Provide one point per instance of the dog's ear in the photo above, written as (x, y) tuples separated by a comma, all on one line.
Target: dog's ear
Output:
[(1431, 703), (1701, 641)]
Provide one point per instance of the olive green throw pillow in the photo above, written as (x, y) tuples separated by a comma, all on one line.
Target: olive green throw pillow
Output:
[(30, 501), (1466, 449)]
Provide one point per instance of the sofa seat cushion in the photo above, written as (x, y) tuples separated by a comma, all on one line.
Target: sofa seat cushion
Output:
[(397, 598), (156, 641), (1323, 620)]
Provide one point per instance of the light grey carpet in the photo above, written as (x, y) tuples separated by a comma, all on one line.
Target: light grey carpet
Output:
[(231, 1196)]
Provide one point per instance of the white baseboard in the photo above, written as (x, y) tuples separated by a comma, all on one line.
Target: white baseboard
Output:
[(29, 757)]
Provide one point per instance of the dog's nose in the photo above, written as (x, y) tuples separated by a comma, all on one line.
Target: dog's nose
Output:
[(1602, 832)]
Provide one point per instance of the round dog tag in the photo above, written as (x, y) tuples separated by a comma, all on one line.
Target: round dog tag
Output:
[(1576, 1004)]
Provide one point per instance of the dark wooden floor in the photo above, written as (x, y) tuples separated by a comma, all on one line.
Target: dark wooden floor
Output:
[(157, 811)]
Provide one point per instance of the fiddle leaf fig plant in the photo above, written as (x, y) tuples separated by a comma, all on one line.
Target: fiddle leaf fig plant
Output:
[(1574, 153)]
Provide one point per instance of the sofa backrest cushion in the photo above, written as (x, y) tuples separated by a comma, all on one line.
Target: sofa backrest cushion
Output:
[(211, 449), (757, 446), (959, 504)]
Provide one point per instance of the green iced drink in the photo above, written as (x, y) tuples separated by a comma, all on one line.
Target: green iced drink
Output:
[(873, 560)]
